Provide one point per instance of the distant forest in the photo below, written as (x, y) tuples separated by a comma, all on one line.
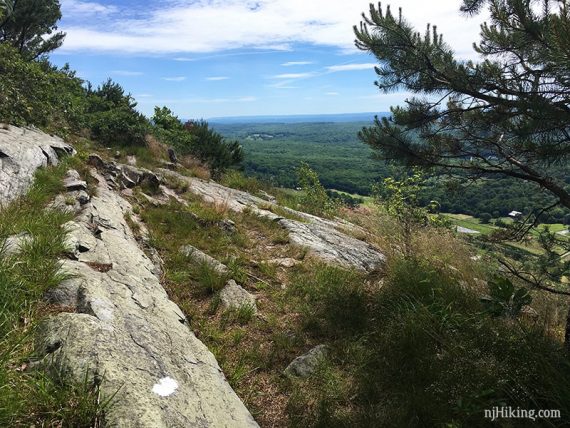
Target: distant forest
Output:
[(274, 150)]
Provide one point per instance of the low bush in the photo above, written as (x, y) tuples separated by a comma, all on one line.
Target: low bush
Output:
[(422, 352)]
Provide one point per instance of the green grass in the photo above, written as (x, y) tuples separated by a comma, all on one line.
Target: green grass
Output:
[(418, 351), (32, 398)]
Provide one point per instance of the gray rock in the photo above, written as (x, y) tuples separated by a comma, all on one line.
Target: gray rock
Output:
[(71, 185), (264, 195), (65, 294), (284, 262), (306, 364), (234, 296), (22, 152), (325, 239), (200, 257), (334, 246), (172, 156), (13, 244), (132, 160), (228, 225), (82, 197), (127, 333)]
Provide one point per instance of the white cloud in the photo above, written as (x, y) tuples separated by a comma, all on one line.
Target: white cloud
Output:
[(217, 78), (293, 63), (332, 94), (77, 8), (350, 67), (174, 79), (185, 26), (247, 99), (127, 73), (293, 76)]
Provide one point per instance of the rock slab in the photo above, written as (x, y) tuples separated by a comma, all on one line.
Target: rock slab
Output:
[(126, 332), (325, 239), (22, 152)]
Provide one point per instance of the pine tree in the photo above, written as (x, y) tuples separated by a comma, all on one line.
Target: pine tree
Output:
[(30, 26), (507, 115)]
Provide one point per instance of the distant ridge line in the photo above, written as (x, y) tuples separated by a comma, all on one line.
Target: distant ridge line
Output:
[(299, 118)]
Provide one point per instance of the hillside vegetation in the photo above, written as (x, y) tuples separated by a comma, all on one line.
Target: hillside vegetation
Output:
[(436, 333)]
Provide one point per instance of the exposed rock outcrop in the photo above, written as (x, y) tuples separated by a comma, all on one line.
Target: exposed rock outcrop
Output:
[(325, 239), (22, 152), (126, 332)]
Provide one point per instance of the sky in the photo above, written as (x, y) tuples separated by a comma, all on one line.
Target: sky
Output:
[(219, 58)]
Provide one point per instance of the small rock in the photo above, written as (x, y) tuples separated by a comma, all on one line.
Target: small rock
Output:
[(96, 161), (132, 160), (117, 154), (73, 174), (83, 197), (228, 225), (306, 364), (234, 296), (172, 156), (65, 294), (72, 185), (284, 262), (267, 196), (125, 182), (201, 257), (72, 181)]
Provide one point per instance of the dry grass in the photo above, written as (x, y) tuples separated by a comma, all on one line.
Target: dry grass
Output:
[(195, 167), (157, 149)]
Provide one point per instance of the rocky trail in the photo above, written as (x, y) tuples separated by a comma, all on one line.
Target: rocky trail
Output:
[(119, 325)]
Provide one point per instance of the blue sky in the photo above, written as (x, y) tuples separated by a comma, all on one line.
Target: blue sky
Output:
[(210, 58)]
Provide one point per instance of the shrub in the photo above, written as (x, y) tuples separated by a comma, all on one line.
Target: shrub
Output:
[(113, 118), (36, 93), (315, 199), (425, 354), (196, 138)]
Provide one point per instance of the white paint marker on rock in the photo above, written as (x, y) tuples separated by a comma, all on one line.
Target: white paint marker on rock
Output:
[(165, 387)]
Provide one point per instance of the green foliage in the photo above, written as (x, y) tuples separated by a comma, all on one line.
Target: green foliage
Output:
[(273, 152), (422, 354), (518, 128), (34, 92), (333, 300), (113, 118), (211, 147), (400, 199), (505, 299), (28, 25), (196, 138), (33, 398), (314, 199)]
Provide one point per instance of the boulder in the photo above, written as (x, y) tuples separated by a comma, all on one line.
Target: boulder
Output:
[(234, 296), (306, 364), (22, 152), (200, 257)]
